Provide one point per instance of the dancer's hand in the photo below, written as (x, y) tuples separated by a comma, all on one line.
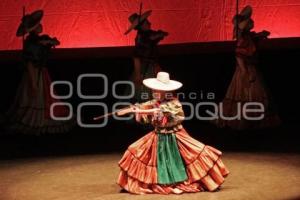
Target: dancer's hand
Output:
[(157, 115), (265, 33)]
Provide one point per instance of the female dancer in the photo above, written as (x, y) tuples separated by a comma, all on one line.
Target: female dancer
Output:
[(247, 83), (30, 112), (167, 160)]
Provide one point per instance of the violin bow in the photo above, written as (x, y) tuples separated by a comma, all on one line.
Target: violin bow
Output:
[(236, 21), (23, 36), (109, 114), (140, 13)]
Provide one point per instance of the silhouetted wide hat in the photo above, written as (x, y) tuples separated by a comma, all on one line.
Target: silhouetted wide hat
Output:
[(30, 22), (135, 19), (246, 12), (162, 82), (243, 18)]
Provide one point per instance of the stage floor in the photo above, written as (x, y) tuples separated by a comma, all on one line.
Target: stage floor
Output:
[(93, 177)]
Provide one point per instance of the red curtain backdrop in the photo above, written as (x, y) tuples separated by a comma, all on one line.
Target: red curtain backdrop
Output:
[(101, 23)]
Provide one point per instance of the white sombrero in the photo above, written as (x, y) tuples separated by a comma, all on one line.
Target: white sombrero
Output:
[(162, 82)]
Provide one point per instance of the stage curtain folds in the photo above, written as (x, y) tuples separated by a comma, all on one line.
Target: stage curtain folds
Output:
[(102, 23)]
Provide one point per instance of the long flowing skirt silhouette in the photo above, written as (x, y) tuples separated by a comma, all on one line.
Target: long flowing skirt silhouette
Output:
[(30, 112), (248, 87)]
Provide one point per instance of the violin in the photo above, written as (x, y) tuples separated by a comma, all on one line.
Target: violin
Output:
[(47, 40)]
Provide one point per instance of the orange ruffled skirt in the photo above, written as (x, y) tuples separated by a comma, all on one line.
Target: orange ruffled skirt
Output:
[(203, 165)]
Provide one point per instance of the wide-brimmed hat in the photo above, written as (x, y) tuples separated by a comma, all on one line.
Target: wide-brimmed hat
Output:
[(30, 22), (162, 82), (135, 19), (247, 11), (243, 18)]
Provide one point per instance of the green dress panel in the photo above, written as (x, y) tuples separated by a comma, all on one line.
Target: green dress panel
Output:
[(170, 166)]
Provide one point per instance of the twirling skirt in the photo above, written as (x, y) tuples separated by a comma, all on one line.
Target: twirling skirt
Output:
[(171, 163)]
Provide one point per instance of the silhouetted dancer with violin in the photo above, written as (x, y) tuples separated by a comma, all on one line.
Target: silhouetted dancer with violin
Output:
[(145, 53), (30, 112)]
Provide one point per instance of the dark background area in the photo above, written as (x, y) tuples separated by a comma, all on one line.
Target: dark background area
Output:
[(201, 67)]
